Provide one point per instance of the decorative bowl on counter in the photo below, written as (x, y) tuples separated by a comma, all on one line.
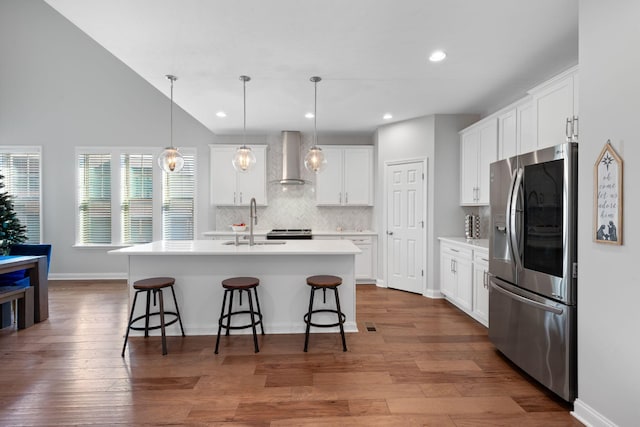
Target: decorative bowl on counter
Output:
[(239, 227)]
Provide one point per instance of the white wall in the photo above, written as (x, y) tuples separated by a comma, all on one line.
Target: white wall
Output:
[(59, 89), (436, 139), (608, 278)]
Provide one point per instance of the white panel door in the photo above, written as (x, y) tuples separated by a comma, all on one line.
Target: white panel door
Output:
[(405, 226), (507, 135)]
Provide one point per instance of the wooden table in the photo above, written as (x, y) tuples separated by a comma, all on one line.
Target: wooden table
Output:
[(37, 268)]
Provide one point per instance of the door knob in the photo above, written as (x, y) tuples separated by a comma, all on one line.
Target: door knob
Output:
[(389, 233)]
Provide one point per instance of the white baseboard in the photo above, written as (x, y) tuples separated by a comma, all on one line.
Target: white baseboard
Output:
[(589, 416), (380, 283), (87, 276), (433, 294)]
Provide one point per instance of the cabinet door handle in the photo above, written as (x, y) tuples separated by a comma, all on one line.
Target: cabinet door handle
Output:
[(346, 198), (340, 198), (454, 250), (241, 197), (455, 265), (574, 127), (234, 197), (389, 233), (567, 133)]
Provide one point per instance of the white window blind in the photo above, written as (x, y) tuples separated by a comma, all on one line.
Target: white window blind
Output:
[(136, 190), (178, 202), (20, 167), (94, 198)]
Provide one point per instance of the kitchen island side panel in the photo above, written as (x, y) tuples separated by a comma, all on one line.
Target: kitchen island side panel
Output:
[(283, 292)]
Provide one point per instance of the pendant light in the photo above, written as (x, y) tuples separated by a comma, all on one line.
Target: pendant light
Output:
[(244, 158), (315, 161), (170, 160)]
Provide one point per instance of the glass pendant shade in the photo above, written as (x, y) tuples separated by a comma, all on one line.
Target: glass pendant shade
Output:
[(315, 161), (244, 159), (170, 160)]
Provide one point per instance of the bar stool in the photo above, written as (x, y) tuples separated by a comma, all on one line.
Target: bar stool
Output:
[(324, 282), (240, 284), (153, 286)]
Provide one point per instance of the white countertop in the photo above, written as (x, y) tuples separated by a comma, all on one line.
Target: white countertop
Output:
[(262, 233), (217, 247), (470, 243)]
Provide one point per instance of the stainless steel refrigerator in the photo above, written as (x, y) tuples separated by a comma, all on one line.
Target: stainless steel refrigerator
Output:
[(533, 264)]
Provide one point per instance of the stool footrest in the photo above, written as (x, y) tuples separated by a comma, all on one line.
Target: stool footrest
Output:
[(142, 317), (248, 325), (343, 318)]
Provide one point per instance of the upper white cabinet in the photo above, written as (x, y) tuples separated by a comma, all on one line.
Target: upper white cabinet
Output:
[(478, 148), (515, 129), (348, 177), (232, 188), (555, 109)]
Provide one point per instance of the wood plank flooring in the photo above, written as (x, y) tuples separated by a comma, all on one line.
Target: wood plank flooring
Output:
[(415, 362)]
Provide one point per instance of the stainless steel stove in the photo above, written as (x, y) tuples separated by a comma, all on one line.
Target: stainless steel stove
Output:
[(290, 234)]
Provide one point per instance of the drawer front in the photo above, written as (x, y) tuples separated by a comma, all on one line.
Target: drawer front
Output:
[(480, 257), (457, 251)]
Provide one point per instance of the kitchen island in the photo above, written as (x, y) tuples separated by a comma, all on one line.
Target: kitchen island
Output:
[(199, 266)]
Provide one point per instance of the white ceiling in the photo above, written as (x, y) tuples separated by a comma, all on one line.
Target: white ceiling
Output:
[(371, 55)]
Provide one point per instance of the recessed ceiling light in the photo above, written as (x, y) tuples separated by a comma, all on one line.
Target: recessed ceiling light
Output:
[(221, 114), (387, 116), (309, 115), (437, 56)]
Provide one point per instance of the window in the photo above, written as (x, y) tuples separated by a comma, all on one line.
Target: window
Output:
[(21, 169), (137, 197), (178, 202), (124, 198)]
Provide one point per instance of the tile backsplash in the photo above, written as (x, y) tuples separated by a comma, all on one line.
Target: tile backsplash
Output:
[(294, 207)]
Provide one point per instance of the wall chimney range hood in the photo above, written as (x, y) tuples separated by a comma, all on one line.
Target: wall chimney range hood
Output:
[(291, 141)]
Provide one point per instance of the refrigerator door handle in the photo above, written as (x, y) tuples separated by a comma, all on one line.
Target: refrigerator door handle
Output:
[(513, 231), (527, 301)]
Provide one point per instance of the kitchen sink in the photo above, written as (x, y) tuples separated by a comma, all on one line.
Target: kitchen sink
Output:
[(258, 243)]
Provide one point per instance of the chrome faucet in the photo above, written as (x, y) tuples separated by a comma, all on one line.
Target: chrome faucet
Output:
[(253, 218)]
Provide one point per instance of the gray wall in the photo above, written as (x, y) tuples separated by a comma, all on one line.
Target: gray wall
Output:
[(436, 139), (59, 90), (608, 280)]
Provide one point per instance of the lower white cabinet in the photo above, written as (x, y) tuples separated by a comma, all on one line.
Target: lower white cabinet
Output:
[(464, 278), (481, 286), (366, 265), (456, 275)]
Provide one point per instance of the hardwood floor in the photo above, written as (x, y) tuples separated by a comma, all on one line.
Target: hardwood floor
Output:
[(415, 362)]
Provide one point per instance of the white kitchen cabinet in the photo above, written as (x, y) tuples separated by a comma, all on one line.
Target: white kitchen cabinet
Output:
[(456, 275), (555, 109), (348, 177), (232, 188), (366, 262), (481, 286), (464, 279), (478, 149), (515, 130)]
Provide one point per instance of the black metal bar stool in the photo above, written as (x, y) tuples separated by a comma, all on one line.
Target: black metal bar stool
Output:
[(153, 286), (240, 284), (324, 282)]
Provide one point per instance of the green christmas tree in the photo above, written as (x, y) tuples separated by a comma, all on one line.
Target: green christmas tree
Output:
[(11, 231)]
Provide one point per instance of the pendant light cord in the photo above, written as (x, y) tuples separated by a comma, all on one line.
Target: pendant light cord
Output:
[(315, 113), (172, 79), (244, 113)]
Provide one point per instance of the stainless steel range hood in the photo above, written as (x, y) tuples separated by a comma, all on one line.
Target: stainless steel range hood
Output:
[(291, 141)]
